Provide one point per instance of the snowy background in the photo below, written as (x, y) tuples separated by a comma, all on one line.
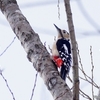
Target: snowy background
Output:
[(42, 14)]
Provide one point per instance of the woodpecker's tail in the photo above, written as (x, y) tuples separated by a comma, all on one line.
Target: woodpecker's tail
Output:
[(63, 73)]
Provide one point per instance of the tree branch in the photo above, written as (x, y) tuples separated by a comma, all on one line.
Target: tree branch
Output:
[(74, 51), (36, 51)]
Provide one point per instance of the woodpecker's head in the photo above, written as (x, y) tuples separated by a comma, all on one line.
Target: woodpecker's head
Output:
[(62, 33)]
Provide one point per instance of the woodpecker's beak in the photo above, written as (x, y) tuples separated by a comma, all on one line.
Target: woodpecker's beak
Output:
[(59, 30)]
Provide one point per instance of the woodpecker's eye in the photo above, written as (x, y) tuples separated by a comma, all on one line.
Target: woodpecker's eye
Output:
[(64, 31)]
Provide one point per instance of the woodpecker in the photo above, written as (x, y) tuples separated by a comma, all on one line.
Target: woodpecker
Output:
[(61, 52)]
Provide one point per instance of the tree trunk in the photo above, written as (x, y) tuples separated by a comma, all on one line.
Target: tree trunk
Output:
[(74, 51), (36, 51)]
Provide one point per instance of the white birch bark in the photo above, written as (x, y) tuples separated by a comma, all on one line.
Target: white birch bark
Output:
[(36, 52)]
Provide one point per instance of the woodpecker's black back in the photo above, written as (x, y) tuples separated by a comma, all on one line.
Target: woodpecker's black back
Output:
[(61, 43), (64, 49)]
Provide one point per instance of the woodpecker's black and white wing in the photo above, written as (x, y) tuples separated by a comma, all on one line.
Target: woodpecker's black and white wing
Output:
[(64, 49)]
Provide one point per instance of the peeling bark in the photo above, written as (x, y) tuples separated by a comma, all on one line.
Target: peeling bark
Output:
[(36, 51)]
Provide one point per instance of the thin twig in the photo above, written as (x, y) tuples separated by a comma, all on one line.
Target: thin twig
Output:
[(69, 79), (84, 95), (92, 71), (80, 62), (49, 45), (58, 9), (54, 38), (81, 92), (7, 85), (89, 82), (50, 49), (87, 78), (34, 86), (8, 46)]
